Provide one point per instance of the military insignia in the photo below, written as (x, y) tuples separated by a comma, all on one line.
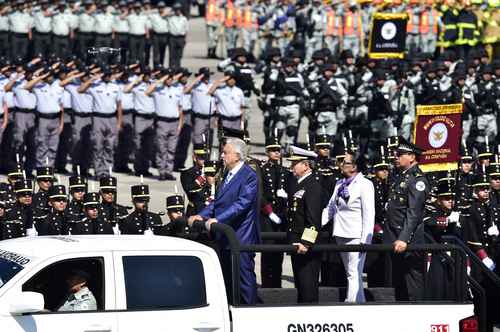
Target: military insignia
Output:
[(299, 193), (420, 186)]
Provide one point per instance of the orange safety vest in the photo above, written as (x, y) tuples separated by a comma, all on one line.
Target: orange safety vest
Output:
[(331, 29), (211, 14), (229, 22), (349, 24), (248, 22), (409, 24), (424, 22), (239, 18)]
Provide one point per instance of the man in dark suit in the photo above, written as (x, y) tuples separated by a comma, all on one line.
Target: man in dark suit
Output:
[(304, 221), (236, 205)]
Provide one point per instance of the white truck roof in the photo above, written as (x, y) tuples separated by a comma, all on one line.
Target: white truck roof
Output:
[(49, 246)]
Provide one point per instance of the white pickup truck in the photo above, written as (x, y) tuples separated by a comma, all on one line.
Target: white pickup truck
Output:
[(150, 284)]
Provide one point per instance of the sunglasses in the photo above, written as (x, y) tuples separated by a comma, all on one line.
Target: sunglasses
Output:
[(495, 178)]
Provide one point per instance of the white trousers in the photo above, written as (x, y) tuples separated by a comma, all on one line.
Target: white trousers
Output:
[(353, 264)]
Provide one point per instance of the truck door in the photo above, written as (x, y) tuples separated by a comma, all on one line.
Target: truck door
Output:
[(160, 291), (51, 281)]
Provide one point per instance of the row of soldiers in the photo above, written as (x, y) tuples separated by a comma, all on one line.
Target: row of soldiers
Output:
[(128, 29), (52, 210), (345, 25)]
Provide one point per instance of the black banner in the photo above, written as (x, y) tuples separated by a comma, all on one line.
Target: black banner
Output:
[(387, 36)]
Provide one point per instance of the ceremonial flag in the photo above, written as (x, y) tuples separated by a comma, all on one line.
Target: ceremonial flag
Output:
[(387, 36), (438, 131)]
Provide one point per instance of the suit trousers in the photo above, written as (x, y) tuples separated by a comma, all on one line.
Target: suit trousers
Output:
[(306, 275), (353, 264), (248, 280), (105, 134), (47, 141)]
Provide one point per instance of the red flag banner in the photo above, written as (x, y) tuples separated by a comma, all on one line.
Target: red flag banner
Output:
[(438, 131)]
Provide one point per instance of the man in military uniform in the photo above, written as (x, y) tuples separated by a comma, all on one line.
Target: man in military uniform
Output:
[(111, 211), (7, 189), (159, 27), (18, 221), (304, 220), (80, 298), (141, 221), (324, 164), (405, 207), (84, 225), (53, 223), (193, 181), (465, 175), (45, 180), (77, 189), (86, 28), (139, 32), (275, 181), (20, 21), (42, 23), (178, 28), (175, 213)]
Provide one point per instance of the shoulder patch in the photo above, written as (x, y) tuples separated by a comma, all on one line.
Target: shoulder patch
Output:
[(420, 185)]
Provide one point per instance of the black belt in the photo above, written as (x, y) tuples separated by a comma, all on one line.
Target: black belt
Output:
[(166, 119), (60, 36), (145, 116), (85, 33), (103, 34), (104, 115), (230, 118), (122, 34), (201, 116), (178, 36), (137, 36), (161, 33), (42, 33), (23, 110), (49, 116), (19, 34), (125, 112), (82, 115)]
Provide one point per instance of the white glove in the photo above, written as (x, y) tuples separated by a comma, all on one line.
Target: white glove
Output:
[(148, 232), (116, 230), (489, 263), (454, 217), (324, 217), (281, 193), (274, 218), (31, 232), (493, 231)]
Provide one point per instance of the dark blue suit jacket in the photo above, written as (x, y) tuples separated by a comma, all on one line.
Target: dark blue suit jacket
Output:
[(235, 204)]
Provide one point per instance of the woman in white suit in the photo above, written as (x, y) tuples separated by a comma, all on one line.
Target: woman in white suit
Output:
[(352, 211)]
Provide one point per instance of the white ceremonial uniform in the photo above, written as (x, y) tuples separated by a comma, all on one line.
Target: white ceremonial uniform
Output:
[(353, 222)]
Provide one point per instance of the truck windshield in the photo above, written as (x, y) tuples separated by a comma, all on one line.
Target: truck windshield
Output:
[(8, 270)]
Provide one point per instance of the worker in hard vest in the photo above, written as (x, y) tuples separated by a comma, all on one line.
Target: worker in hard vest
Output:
[(468, 30), (491, 32), (333, 29), (449, 20), (230, 28), (213, 20), (429, 20), (353, 30), (413, 41)]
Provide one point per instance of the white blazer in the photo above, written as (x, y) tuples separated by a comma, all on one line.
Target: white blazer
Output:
[(355, 218)]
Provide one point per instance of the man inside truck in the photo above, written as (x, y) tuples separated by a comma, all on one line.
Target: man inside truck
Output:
[(80, 297)]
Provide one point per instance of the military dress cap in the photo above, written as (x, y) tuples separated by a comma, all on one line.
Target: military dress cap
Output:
[(210, 167), (446, 187), (16, 172), (380, 162), (77, 181), (23, 186), (494, 169), (175, 203), (298, 154), (140, 191), (484, 152), (407, 147), (91, 199), (323, 140), (57, 191), (273, 143), (465, 154), (230, 74), (200, 149), (481, 179), (107, 182), (204, 71), (45, 172)]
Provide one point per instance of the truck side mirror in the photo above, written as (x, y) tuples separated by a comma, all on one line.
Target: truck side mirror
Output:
[(27, 302)]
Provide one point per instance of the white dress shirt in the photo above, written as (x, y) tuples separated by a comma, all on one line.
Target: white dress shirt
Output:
[(355, 218)]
